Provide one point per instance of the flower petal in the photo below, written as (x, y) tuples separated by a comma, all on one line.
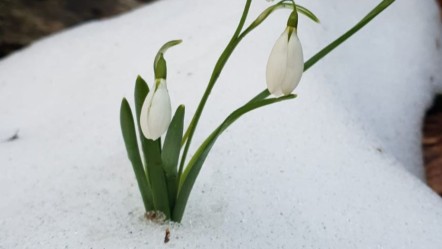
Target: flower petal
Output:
[(160, 113), (276, 65), (144, 115), (295, 65)]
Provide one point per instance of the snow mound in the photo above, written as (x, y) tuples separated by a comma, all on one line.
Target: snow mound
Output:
[(338, 167)]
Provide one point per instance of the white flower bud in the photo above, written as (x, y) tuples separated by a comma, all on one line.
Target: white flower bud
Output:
[(156, 112), (285, 64)]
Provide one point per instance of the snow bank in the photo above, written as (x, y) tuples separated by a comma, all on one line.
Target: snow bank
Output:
[(338, 167)]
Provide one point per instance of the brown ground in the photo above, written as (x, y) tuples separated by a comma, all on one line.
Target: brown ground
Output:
[(432, 146), (23, 21), (432, 143)]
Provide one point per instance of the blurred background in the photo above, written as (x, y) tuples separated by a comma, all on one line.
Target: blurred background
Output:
[(24, 21)]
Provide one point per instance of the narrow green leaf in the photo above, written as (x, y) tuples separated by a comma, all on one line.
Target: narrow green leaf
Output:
[(172, 143), (130, 140), (157, 180), (171, 153), (141, 91), (152, 155), (193, 168), (262, 95)]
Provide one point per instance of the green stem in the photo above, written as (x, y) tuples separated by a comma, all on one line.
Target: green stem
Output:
[(215, 74), (264, 16), (236, 38)]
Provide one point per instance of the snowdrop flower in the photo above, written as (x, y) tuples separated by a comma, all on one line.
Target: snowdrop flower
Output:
[(286, 61), (156, 111)]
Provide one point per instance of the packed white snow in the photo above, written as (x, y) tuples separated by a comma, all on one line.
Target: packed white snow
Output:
[(338, 167)]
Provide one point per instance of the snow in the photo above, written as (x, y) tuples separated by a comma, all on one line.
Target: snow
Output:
[(338, 167)]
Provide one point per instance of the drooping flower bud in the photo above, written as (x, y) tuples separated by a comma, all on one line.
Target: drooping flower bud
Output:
[(286, 61), (156, 111)]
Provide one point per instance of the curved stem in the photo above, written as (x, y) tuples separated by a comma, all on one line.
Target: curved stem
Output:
[(237, 37), (264, 16), (215, 74), (179, 209)]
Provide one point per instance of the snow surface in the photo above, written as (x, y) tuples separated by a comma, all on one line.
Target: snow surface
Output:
[(338, 167)]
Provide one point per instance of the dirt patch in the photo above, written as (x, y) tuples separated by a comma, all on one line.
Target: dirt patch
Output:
[(432, 140), (24, 21), (432, 145)]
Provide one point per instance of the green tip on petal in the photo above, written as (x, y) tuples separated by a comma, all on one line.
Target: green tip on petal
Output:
[(160, 68), (159, 64), (165, 47), (293, 19)]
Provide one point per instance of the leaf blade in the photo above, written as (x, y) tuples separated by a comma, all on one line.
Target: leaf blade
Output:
[(192, 170), (152, 155), (171, 153), (130, 140)]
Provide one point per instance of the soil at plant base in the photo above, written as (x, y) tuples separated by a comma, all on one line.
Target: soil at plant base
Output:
[(23, 21)]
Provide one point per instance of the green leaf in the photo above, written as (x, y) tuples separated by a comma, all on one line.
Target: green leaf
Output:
[(141, 91), (152, 155), (262, 95), (193, 168), (130, 140), (171, 153), (157, 180)]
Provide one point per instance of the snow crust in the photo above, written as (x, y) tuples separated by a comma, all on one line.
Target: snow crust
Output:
[(338, 167)]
